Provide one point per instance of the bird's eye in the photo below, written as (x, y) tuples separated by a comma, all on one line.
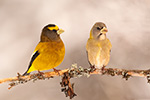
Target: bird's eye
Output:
[(100, 34), (99, 28)]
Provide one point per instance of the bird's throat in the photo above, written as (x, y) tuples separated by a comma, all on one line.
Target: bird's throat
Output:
[(46, 39), (102, 37)]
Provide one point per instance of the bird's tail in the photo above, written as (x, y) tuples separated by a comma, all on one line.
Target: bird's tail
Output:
[(26, 73)]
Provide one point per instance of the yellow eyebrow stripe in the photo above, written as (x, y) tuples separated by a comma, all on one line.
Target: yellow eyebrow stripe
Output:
[(53, 28)]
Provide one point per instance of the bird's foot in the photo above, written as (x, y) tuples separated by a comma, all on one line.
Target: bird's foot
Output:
[(40, 73), (56, 71), (103, 69), (92, 68)]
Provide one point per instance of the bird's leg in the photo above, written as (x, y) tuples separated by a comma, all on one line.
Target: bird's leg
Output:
[(92, 68), (41, 73), (56, 71), (103, 69)]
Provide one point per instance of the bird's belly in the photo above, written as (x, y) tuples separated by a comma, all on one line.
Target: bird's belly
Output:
[(49, 60), (99, 57)]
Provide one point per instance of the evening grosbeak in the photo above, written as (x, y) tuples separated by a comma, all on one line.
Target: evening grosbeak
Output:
[(49, 52), (98, 46)]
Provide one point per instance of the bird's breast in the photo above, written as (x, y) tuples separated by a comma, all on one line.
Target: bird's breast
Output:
[(98, 52), (51, 54)]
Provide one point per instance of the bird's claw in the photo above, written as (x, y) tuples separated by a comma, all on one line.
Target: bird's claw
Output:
[(56, 71)]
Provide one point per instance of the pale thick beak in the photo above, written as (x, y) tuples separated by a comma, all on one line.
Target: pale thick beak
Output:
[(60, 31), (104, 30)]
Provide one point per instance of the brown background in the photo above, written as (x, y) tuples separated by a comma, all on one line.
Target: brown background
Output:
[(128, 22)]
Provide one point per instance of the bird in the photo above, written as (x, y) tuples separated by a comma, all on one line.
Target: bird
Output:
[(49, 52), (98, 46)]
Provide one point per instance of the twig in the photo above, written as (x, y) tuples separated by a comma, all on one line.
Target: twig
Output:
[(67, 87), (75, 71)]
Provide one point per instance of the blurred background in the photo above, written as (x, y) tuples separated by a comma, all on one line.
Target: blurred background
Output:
[(128, 22)]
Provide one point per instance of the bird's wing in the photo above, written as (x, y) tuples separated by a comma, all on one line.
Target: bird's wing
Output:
[(35, 54), (109, 44), (87, 50), (88, 58)]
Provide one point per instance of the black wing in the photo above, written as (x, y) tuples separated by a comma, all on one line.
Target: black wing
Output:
[(32, 59)]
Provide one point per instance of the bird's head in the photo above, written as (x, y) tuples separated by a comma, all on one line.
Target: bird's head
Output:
[(99, 31), (51, 32)]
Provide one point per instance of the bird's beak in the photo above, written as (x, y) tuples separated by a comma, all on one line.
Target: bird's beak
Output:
[(60, 31), (104, 30)]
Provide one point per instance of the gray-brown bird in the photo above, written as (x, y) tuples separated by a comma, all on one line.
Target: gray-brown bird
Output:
[(98, 46)]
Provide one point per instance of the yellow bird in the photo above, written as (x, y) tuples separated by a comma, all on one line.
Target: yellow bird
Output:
[(49, 52), (98, 46)]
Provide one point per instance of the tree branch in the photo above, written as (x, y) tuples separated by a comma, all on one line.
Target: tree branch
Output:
[(73, 72)]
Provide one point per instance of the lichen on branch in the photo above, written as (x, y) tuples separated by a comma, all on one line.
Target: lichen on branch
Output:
[(74, 71)]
